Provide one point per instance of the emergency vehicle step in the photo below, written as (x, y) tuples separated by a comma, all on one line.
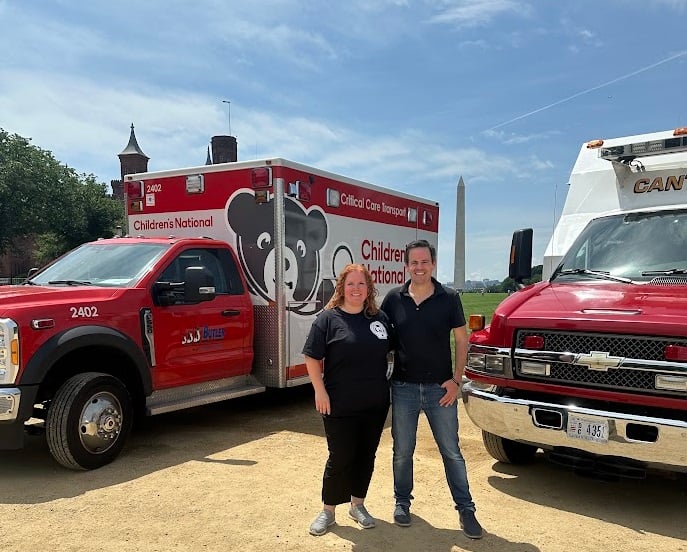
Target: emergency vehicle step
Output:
[(177, 398)]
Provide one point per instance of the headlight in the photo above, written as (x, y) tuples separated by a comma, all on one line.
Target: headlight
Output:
[(476, 361), (9, 351), (493, 364)]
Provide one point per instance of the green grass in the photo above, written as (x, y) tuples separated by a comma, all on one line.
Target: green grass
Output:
[(476, 303)]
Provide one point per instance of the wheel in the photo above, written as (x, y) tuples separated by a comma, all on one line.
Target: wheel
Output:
[(88, 421), (507, 451)]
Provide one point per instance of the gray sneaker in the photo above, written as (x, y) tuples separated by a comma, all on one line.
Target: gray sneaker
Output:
[(402, 515), (362, 516), (322, 522)]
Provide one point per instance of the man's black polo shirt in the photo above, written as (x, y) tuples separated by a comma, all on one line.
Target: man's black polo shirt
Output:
[(423, 343)]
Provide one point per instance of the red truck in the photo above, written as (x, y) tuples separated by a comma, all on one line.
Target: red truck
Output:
[(590, 365), (143, 325)]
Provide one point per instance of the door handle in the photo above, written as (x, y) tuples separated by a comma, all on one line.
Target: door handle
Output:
[(231, 312)]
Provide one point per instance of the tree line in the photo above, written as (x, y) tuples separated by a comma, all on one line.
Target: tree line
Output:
[(47, 204), (508, 284)]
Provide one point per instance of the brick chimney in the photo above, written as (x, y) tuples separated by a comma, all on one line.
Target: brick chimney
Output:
[(224, 149)]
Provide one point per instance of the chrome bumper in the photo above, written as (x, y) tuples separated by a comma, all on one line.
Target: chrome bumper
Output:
[(517, 420), (9, 403)]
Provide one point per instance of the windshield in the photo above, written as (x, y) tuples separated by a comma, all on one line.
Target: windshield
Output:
[(111, 265), (634, 246)]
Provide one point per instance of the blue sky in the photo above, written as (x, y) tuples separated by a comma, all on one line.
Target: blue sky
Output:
[(406, 94)]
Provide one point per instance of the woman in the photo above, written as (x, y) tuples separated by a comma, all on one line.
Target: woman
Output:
[(352, 336)]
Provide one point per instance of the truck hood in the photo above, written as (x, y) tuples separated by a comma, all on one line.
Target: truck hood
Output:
[(26, 296), (599, 306)]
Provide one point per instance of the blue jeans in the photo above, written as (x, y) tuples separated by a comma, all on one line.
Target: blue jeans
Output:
[(407, 400)]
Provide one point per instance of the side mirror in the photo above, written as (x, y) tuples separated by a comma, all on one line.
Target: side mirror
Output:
[(520, 267), (199, 285)]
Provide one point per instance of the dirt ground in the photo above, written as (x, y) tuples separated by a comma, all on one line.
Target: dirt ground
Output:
[(246, 474)]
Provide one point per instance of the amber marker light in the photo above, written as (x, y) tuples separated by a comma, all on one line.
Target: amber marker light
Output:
[(476, 322)]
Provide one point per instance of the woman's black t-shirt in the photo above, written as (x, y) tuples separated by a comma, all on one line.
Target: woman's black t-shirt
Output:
[(354, 349)]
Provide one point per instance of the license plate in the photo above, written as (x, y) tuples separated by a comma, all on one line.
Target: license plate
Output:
[(587, 430)]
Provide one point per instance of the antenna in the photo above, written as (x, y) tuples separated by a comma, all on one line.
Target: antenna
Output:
[(229, 109)]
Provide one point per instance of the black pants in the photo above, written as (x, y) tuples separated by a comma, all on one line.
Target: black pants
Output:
[(352, 443)]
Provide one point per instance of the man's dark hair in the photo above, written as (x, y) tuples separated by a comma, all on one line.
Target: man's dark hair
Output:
[(421, 243)]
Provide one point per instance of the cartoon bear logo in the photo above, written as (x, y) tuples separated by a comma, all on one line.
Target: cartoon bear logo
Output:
[(305, 236)]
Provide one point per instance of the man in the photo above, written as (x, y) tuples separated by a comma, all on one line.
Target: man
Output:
[(423, 314)]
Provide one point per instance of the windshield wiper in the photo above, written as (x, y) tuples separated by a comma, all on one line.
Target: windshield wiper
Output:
[(596, 273), (71, 282), (664, 272)]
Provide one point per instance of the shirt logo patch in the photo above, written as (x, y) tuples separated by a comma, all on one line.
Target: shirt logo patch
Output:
[(378, 329)]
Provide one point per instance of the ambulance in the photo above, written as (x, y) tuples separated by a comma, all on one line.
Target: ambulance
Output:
[(209, 296), (589, 366)]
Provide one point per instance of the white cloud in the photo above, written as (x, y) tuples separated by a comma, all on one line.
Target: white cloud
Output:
[(472, 13), (511, 138)]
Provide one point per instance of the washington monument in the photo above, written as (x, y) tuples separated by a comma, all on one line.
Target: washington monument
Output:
[(459, 258)]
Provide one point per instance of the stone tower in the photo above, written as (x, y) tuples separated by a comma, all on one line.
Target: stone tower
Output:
[(131, 160)]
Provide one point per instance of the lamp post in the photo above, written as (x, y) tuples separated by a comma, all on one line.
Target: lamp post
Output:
[(229, 109)]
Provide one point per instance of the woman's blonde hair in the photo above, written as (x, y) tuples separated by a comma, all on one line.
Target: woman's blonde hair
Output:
[(370, 307)]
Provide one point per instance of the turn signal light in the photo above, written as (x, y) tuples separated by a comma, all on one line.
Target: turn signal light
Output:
[(476, 322), (14, 352)]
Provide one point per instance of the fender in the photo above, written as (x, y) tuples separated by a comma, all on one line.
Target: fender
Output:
[(83, 336)]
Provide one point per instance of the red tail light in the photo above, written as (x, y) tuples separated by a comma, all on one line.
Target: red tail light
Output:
[(134, 189), (260, 178)]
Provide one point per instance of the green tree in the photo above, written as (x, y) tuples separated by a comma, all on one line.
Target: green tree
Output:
[(44, 199), (509, 284)]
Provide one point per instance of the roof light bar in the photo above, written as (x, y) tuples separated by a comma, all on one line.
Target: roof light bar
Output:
[(627, 152)]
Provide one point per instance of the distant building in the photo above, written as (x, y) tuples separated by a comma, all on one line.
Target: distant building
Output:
[(222, 149), (480, 284), (131, 160)]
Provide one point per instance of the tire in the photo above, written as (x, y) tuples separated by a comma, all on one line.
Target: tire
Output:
[(88, 421), (507, 451)]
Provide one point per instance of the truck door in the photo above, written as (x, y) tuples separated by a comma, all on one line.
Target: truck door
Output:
[(203, 341)]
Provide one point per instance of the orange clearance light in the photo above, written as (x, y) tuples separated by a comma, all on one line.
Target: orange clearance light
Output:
[(533, 342), (476, 322), (593, 144), (676, 353), (14, 352), (680, 131)]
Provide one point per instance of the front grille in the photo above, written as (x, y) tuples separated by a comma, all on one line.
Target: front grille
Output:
[(668, 281), (626, 346)]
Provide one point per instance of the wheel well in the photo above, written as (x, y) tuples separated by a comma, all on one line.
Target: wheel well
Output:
[(93, 358)]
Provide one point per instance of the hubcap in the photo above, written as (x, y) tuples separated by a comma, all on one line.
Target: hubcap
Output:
[(100, 422)]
